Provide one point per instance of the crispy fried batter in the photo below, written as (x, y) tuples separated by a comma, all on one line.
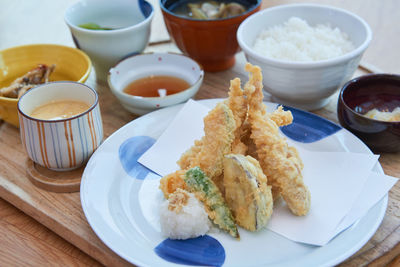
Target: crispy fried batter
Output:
[(219, 133), (178, 200), (188, 157), (278, 162), (279, 116), (171, 182), (247, 141), (208, 153), (238, 104)]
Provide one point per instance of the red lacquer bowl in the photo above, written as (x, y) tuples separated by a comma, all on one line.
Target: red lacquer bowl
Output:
[(212, 43)]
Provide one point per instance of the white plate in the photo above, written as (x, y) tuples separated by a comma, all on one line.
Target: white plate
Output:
[(122, 210)]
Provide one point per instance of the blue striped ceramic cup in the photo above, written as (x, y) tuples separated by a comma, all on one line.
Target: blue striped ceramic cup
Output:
[(60, 144)]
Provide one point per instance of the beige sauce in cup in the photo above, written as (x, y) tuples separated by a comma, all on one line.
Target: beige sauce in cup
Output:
[(61, 109)]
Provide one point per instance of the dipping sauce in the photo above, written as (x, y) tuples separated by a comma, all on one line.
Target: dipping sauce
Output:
[(156, 86), (61, 109)]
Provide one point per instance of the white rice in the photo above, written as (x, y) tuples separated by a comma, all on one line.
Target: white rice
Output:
[(191, 221), (295, 40)]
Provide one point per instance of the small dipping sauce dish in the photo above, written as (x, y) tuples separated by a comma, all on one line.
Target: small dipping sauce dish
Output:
[(60, 124), (146, 82), (378, 92)]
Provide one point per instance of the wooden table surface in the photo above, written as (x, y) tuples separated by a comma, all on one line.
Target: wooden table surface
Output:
[(24, 240)]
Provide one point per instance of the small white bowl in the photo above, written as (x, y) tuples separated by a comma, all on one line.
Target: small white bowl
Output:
[(306, 85), (130, 20), (144, 65)]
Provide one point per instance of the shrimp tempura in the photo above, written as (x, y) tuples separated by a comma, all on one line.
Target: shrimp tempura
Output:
[(238, 104), (208, 153), (279, 162)]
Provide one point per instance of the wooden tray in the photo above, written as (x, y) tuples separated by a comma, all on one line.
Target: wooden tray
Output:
[(62, 212), (53, 181)]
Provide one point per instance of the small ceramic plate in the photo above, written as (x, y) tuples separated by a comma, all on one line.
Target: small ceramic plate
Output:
[(154, 64), (121, 199)]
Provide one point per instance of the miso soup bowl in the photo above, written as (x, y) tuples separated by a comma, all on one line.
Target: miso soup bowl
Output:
[(212, 43), (362, 94), (62, 144)]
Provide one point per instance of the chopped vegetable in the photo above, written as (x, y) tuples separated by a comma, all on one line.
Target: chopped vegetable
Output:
[(93, 26), (198, 183)]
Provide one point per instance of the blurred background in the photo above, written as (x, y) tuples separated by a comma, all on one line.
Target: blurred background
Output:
[(40, 17)]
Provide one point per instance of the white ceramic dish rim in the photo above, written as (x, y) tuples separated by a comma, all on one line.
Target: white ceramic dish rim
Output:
[(122, 94), (304, 65), (108, 32), (96, 101), (130, 258)]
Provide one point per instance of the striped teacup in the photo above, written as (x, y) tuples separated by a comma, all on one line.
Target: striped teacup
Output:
[(60, 144)]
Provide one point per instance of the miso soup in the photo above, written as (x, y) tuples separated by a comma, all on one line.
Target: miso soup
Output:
[(209, 10)]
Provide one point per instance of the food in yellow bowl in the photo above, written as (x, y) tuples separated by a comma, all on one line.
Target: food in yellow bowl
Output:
[(72, 65), (38, 75)]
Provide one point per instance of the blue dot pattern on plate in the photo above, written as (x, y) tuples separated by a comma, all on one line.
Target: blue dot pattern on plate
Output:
[(130, 151), (204, 250), (307, 127)]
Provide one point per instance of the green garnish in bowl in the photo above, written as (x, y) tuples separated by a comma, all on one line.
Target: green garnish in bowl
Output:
[(93, 26)]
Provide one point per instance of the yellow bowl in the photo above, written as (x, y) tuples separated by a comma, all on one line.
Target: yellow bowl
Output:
[(71, 65)]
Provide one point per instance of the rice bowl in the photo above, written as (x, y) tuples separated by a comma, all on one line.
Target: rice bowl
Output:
[(305, 85)]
